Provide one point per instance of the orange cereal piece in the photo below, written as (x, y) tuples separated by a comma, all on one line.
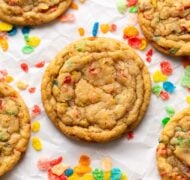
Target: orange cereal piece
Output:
[(130, 31), (74, 6), (84, 160), (4, 44), (81, 31), (105, 28), (81, 170)]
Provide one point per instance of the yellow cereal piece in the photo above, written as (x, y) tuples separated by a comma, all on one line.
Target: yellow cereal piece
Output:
[(4, 44), (107, 175), (154, 3), (188, 99), (33, 41), (74, 176), (88, 177), (104, 28), (21, 85), (124, 176), (143, 44), (9, 79), (35, 126), (158, 76), (5, 26), (81, 31), (59, 169), (36, 143), (130, 31)]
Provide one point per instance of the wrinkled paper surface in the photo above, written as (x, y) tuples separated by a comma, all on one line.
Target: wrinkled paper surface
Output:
[(137, 156)]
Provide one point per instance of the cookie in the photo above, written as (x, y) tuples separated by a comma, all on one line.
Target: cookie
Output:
[(173, 152), (32, 12), (165, 24), (96, 89), (14, 128)]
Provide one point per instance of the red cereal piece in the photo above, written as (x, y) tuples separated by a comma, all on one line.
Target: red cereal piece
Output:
[(148, 59), (40, 64), (52, 176), (43, 165), (36, 110), (134, 42), (24, 67), (31, 90), (67, 80), (149, 52), (132, 3), (130, 135), (113, 27), (164, 95), (56, 161), (166, 68)]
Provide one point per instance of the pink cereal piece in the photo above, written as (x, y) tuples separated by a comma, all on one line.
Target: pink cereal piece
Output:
[(113, 27), (67, 18), (166, 68), (164, 95), (31, 90), (130, 135), (58, 160), (43, 164)]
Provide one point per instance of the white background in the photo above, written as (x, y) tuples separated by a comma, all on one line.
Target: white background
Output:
[(137, 156)]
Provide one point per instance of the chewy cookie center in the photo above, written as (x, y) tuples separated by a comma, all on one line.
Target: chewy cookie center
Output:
[(96, 93)]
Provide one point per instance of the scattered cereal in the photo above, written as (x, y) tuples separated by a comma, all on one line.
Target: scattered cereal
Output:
[(33, 41), (95, 29), (25, 30), (4, 44), (166, 68), (81, 31), (21, 85), (74, 6), (165, 121), (35, 126), (130, 31), (31, 90), (13, 31), (156, 89), (105, 28), (169, 86), (113, 27), (27, 49), (121, 6), (36, 143), (170, 110), (40, 64), (67, 18), (5, 26), (158, 76), (24, 67), (164, 95), (9, 79)]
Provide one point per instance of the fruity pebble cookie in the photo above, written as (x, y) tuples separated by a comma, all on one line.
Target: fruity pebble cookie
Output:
[(165, 24), (32, 12), (14, 128), (173, 152), (96, 89)]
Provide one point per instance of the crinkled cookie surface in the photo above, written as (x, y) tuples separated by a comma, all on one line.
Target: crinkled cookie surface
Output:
[(166, 24), (14, 128), (173, 152), (32, 12), (96, 89)]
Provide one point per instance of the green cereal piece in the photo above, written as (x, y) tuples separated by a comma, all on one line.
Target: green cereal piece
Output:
[(121, 6), (173, 50), (133, 9), (170, 110), (165, 121), (156, 89), (27, 49)]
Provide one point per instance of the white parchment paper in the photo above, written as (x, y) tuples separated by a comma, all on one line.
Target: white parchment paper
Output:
[(137, 156)]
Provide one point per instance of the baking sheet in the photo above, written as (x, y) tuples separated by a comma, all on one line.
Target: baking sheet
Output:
[(136, 156)]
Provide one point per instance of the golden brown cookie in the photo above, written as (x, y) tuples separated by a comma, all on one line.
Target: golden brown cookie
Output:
[(165, 24), (32, 12), (96, 89), (173, 152), (14, 127)]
